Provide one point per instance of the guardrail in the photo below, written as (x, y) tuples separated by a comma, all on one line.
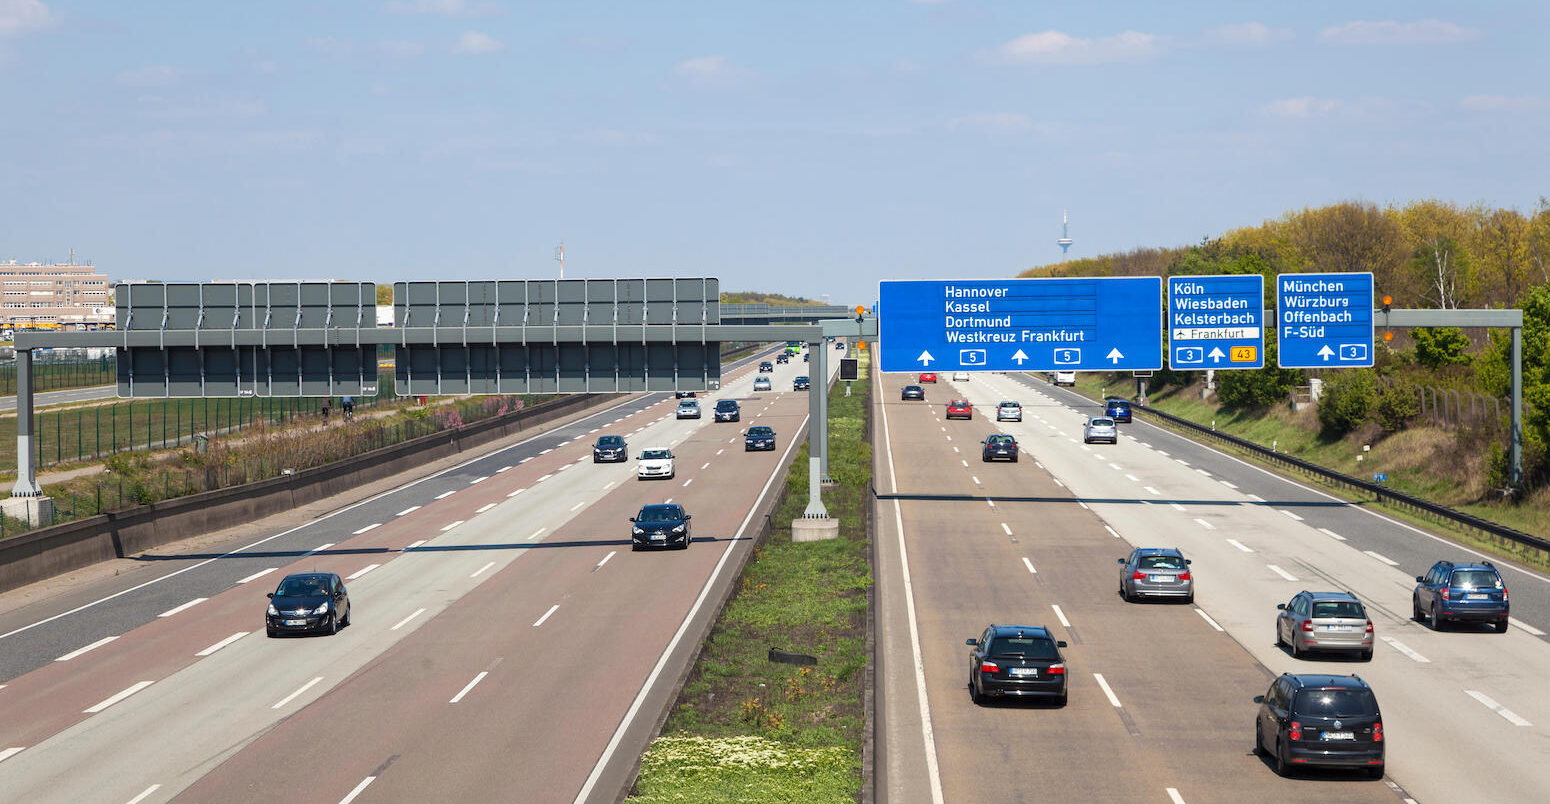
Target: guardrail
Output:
[(1415, 505)]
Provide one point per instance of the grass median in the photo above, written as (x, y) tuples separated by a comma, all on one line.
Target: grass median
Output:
[(748, 729)]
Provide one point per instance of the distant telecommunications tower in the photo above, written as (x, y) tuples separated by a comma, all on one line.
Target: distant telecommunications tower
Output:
[(1065, 234)]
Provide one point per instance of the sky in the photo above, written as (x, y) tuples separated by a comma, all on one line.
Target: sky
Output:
[(796, 147)]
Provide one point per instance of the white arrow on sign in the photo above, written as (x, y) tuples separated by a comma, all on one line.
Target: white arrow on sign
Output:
[(926, 358), (1114, 355), (1216, 354), (1325, 352), (1019, 357)]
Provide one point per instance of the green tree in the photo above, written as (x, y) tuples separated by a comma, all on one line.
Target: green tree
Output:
[(1257, 389), (1347, 400), (1397, 405), (1440, 346), (385, 294)]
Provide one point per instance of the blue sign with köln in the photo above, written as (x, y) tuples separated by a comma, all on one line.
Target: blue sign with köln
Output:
[(1324, 320), (1216, 322), (1095, 324)]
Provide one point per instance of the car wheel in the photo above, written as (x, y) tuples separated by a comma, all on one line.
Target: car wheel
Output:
[(984, 459), (1259, 749), (333, 624), (1061, 701), (1501, 626), (347, 613), (1279, 641), (1367, 655), (1296, 651), (1283, 767), (1415, 610), (974, 694), (271, 632), (1376, 773), (1124, 594), (1438, 624)]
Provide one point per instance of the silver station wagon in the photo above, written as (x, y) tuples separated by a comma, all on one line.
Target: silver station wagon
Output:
[(1331, 621), (1156, 572)]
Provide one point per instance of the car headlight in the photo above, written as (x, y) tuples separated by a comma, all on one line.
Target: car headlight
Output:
[(323, 609), (273, 612), (637, 531), (679, 529)]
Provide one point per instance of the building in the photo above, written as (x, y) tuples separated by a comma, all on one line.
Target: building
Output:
[(59, 296)]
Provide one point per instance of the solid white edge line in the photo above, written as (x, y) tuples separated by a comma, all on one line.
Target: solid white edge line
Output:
[(1208, 619), (1281, 572), (411, 509), (357, 791), (372, 526), (1405, 649), (446, 528), (464, 690), (255, 576), (481, 509), (1173, 795), (683, 627), (1106, 691), (1385, 559), (78, 651), (287, 699), (362, 571), (540, 620), (7, 753), (117, 697), (405, 621), (1061, 616), (143, 794), (1491, 704), (190, 604), (223, 643), (1029, 565), (481, 570), (1523, 626)]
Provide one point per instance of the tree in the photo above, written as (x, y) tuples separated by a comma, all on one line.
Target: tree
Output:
[(1353, 237), (1347, 400), (1440, 266), (1440, 346), (1257, 389), (384, 295), (1501, 246)]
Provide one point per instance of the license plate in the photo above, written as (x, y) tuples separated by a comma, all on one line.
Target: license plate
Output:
[(1162, 579), (1339, 628), (295, 622), (1339, 735), (1477, 597), (657, 537), (1025, 671)]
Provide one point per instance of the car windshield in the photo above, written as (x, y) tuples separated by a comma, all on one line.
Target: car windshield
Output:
[(302, 587), (726, 404), (1119, 405), (611, 441), (660, 513), (912, 388), (1023, 647), (688, 403), (656, 455), (1103, 422), (1161, 563), (1001, 439), (760, 431), (1335, 703), (959, 403), (1338, 608), (1010, 405), (1476, 579)]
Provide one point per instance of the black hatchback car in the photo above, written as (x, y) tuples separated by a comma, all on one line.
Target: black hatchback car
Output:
[(308, 602), (1118, 410), (999, 447), (610, 448), (660, 525), (1315, 719), (1461, 592), (1017, 660), (759, 436), (766, 367), (801, 383), (727, 410), (912, 392)]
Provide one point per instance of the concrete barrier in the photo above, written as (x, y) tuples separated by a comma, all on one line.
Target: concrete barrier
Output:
[(55, 550)]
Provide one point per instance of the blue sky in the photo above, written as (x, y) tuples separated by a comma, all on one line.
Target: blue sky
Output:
[(798, 147)]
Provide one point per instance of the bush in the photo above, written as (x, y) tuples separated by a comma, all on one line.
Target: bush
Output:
[(1347, 401), (1440, 346), (1397, 405), (1256, 389)]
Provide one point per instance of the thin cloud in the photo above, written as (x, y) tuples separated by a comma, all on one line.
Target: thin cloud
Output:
[(331, 46), (1389, 32), (998, 123), (1056, 47), (401, 49), (1248, 33), (476, 43), (21, 16), (1299, 107), (1371, 108), (152, 76), (445, 8), (707, 71), (1505, 103)]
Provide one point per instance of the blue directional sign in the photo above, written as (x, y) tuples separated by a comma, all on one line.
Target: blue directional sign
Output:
[(1216, 322), (1324, 320), (1094, 324)]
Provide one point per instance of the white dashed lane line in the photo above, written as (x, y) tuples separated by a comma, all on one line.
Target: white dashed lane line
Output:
[(7, 753), (1084, 505), (1133, 478), (144, 794), (1281, 572), (1207, 618), (578, 505), (78, 651), (540, 620), (1256, 498), (287, 699), (362, 571), (320, 548), (1331, 534), (1111, 531), (223, 643), (1204, 524), (537, 533), (1173, 795), (117, 697), (190, 604), (1492, 705), (444, 495), (481, 570), (1154, 492), (1385, 559), (358, 789), (372, 526), (503, 469), (469, 686), (515, 493), (1290, 514), (446, 528), (255, 576), (1061, 616), (542, 479), (1177, 507), (1405, 649), (476, 481), (405, 621), (1229, 484), (1106, 691), (481, 509), (411, 509), (605, 560), (413, 544), (1029, 565), (1240, 545)]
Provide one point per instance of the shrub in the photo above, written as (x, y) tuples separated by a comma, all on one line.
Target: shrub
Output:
[(1347, 400), (1397, 405), (1440, 346), (1256, 389)]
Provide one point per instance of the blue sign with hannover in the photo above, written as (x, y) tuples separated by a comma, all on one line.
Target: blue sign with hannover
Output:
[(1324, 320)]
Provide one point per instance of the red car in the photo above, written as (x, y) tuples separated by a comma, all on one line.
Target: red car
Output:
[(928, 376), (960, 408)]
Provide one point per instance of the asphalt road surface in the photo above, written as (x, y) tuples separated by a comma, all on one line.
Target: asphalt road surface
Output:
[(61, 397)]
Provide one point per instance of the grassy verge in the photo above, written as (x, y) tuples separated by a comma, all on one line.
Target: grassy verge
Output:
[(746, 729)]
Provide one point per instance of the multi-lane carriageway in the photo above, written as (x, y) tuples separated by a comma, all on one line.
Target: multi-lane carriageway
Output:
[(505, 645), (1161, 694)]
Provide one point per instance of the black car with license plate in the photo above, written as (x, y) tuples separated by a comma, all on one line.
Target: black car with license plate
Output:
[(766, 367), (999, 447), (912, 392), (1019, 661), (610, 449), (660, 525), (727, 410), (801, 383), (308, 602), (1315, 719), (783, 358), (759, 437)]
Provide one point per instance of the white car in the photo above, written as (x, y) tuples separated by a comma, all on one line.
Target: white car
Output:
[(960, 376), (688, 409), (1009, 411), (655, 463), (1065, 378), (761, 383)]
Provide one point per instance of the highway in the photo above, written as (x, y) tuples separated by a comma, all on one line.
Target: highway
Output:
[(66, 396), (506, 644), (1161, 694)]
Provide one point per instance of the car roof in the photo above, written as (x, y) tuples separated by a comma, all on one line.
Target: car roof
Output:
[(1021, 630), (1306, 680), (1331, 596), (959, 402), (661, 506), (1458, 565), (1000, 436), (1159, 551), (610, 438), (760, 427), (1006, 402), (726, 402), (323, 575), (1101, 419)]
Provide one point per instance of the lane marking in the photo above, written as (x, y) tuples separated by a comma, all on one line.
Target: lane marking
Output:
[(445, 494), (411, 509), (1281, 572), (593, 430), (1173, 795), (223, 643), (78, 651), (706, 466), (405, 621), (1333, 535), (446, 528), (464, 691), (1155, 492), (255, 576), (1240, 545), (542, 479), (287, 699), (515, 493), (117, 697), (1061, 616), (547, 451), (1405, 649), (362, 571), (536, 534), (1006, 529), (481, 570), (1290, 514), (481, 509), (605, 559), (964, 462), (540, 620), (1040, 465), (1084, 505), (503, 469), (1133, 478), (687, 482), (1106, 691), (976, 480), (11, 752), (1057, 482), (718, 452), (1204, 524), (372, 526), (1492, 705), (146, 792), (476, 481), (990, 502), (190, 604), (1116, 467), (1525, 626), (1230, 485), (1164, 454), (1029, 565), (413, 544), (1177, 507), (578, 505), (320, 548), (1256, 498), (1182, 462), (1385, 559), (1208, 619), (357, 791), (1111, 531)]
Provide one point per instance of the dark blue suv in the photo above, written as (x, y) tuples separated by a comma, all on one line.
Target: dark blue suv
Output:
[(1118, 410), (1461, 592)]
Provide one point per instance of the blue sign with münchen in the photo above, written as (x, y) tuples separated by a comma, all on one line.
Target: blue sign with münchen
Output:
[(1057, 324), (1324, 320), (1216, 322)]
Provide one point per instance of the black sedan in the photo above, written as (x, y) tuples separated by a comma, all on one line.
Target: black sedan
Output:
[(759, 437), (912, 392), (660, 525), (1017, 660), (308, 602), (801, 383), (610, 448), (766, 367), (999, 447)]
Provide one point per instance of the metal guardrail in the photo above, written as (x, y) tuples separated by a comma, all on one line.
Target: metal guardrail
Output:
[(1380, 493)]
